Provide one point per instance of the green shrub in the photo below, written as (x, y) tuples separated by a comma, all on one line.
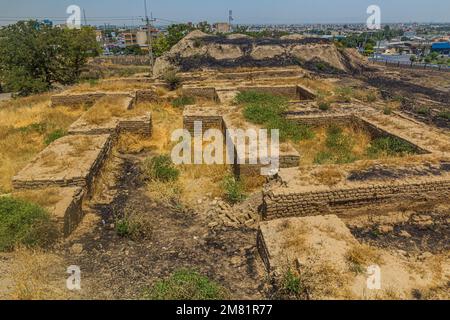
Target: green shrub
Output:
[(390, 146), (255, 97), (161, 168), (425, 111), (323, 157), (339, 148), (183, 101), (387, 111), (324, 106), (444, 115), (291, 283), (186, 285), (371, 97), (54, 135), (172, 79), (24, 223), (39, 127), (266, 110), (233, 190), (345, 94), (135, 226)]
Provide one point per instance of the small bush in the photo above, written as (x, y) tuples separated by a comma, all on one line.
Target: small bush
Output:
[(291, 283), (54, 135), (444, 115), (324, 106), (387, 111), (323, 157), (389, 146), (172, 79), (182, 101), (24, 223), (186, 285), (345, 94), (371, 97), (135, 226), (34, 127), (424, 111), (161, 168), (233, 190)]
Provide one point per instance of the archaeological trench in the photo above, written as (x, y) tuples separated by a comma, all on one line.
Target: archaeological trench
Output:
[(296, 202)]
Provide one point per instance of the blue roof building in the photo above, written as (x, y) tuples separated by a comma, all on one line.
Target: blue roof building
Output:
[(441, 47)]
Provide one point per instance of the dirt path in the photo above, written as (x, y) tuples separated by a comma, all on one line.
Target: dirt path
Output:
[(117, 268)]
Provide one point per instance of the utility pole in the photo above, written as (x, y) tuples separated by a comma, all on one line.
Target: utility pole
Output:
[(149, 23), (230, 19), (84, 16)]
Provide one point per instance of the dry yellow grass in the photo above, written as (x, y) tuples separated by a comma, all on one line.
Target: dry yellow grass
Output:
[(24, 124), (35, 275), (166, 119), (361, 256), (329, 176), (44, 197), (105, 110), (130, 143), (110, 86)]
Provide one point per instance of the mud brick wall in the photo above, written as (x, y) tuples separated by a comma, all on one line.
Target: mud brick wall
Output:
[(208, 122), (326, 120), (291, 203), (71, 213), (201, 92), (124, 60), (94, 131), (259, 74), (71, 100), (147, 96), (89, 98), (305, 93), (141, 125), (291, 92), (81, 181)]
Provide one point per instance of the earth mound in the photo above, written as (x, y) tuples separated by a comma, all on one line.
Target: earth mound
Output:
[(199, 50)]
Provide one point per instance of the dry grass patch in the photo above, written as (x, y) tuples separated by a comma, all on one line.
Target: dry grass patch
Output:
[(166, 119), (36, 275), (196, 180), (130, 143), (45, 198), (329, 176), (361, 256), (110, 86), (25, 124), (105, 110)]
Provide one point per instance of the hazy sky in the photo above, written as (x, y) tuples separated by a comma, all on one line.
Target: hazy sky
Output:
[(245, 11)]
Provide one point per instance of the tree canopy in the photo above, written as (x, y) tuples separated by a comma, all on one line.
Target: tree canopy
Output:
[(35, 56)]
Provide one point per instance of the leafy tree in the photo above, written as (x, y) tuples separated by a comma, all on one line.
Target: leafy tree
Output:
[(176, 32), (34, 56), (134, 50), (160, 46)]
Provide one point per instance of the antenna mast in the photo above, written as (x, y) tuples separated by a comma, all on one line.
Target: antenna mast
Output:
[(149, 35)]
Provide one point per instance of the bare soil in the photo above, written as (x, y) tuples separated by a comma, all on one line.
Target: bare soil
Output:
[(118, 268)]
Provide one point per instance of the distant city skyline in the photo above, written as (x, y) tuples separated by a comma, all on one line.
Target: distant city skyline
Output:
[(245, 12)]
